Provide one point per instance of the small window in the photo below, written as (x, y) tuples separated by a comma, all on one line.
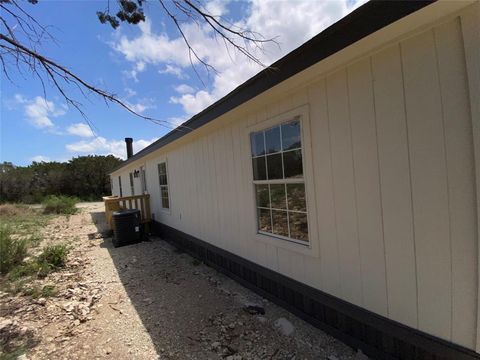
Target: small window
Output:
[(132, 186), (163, 180), (279, 182), (143, 179), (120, 185)]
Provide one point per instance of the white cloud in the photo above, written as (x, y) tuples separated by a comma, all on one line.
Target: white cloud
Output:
[(140, 106), (151, 48), (194, 103), (177, 121), (39, 111), (137, 69), (40, 158), (130, 92), (291, 24), (173, 70), (103, 146), (20, 99), (184, 89), (80, 129)]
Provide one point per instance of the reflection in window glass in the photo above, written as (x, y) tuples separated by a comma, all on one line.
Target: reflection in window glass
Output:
[(298, 226), (258, 144), (278, 198), (280, 222), (262, 196), (264, 220), (291, 136), (272, 140), (296, 197), (292, 162), (279, 181), (259, 170), (274, 166)]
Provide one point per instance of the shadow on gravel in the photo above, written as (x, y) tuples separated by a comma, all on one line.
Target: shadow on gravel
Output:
[(15, 340), (192, 312), (171, 295)]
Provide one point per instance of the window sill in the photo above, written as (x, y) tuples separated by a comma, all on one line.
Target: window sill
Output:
[(287, 244)]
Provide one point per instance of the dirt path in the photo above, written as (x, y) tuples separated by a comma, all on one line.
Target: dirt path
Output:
[(147, 301)]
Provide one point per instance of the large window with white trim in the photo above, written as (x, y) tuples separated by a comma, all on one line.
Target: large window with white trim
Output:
[(279, 182), (163, 179)]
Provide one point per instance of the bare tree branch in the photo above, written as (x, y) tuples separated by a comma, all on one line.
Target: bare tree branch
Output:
[(23, 35)]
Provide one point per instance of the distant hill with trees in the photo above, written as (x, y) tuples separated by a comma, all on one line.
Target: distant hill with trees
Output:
[(85, 177)]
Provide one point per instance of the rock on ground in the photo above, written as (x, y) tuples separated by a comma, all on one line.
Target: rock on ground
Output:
[(150, 301)]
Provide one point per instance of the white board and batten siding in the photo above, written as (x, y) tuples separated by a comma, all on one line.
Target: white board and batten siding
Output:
[(391, 193)]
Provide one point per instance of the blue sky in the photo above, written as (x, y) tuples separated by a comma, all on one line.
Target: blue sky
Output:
[(147, 66)]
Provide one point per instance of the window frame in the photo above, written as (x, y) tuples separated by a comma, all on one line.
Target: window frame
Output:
[(282, 181), (120, 185), (310, 248), (164, 209), (143, 179), (132, 183)]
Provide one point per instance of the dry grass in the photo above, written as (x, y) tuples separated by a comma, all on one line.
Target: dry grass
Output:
[(9, 210)]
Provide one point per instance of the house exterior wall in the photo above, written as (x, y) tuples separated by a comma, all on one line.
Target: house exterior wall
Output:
[(389, 163)]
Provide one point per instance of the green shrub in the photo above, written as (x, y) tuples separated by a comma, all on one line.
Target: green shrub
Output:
[(22, 270), (37, 292), (54, 256), (54, 204), (12, 251)]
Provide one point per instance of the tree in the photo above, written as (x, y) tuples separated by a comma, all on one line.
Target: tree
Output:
[(22, 35), (85, 177)]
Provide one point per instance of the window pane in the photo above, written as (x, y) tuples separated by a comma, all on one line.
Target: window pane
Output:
[(262, 196), (144, 180), (291, 135), (274, 166), (298, 226), (259, 171), (296, 197), (272, 140), (163, 179), (257, 143), (264, 220), (292, 162), (280, 222), (162, 168), (165, 203), (164, 192), (277, 195)]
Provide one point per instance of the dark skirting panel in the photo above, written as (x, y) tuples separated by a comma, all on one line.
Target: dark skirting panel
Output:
[(375, 335)]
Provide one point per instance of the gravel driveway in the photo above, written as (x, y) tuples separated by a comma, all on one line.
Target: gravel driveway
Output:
[(149, 301)]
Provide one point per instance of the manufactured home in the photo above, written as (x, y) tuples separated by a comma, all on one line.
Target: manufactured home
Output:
[(342, 183)]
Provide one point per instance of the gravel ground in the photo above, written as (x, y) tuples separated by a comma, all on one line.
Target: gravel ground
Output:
[(148, 301)]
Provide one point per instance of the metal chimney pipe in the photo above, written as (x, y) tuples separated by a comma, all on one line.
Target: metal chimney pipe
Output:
[(129, 143)]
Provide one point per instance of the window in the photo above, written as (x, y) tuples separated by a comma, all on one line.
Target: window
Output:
[(132, 186), (162, 177), (143, 179), (279, 182), (120, 185)]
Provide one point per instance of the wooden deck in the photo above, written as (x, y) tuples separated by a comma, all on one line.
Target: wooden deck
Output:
[(140, 202)]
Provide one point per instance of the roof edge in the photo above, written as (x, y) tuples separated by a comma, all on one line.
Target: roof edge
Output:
[(363, 21)]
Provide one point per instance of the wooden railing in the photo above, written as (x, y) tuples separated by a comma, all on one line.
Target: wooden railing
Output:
[(115, 203)]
